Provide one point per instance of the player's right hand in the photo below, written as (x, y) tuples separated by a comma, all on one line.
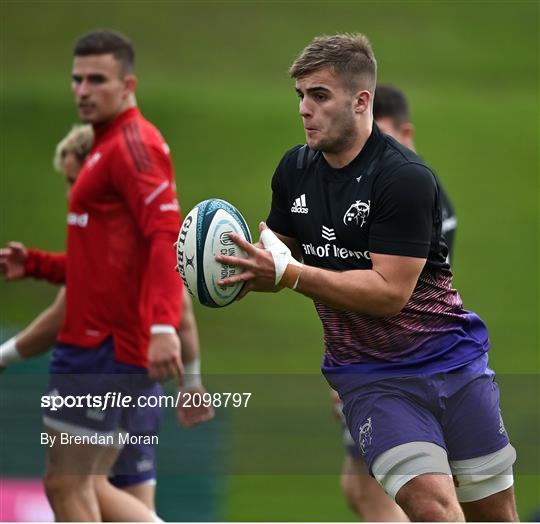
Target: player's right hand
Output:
[(192, 415), (13, 260), (164, 360)]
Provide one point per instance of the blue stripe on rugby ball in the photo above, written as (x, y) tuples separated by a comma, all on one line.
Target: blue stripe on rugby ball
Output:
[(222, 204), (204, 218)]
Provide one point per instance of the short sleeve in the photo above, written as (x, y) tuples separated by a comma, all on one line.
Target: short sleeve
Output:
[(404, 213), (279, 219)]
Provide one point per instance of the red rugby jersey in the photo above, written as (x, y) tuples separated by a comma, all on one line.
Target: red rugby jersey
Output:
[(122, 223)]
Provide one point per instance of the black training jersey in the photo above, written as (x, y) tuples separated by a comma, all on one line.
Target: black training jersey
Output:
[(387, 200)]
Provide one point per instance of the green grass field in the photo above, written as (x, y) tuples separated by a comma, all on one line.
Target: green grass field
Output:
[(213, 77)]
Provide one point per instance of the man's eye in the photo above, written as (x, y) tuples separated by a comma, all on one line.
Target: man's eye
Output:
[(97, 80), (320, 97)]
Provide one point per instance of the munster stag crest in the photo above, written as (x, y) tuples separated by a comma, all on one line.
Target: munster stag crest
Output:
[(357, 213)]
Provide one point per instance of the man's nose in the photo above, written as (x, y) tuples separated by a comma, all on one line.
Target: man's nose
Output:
[(82, 89), (305, 109)]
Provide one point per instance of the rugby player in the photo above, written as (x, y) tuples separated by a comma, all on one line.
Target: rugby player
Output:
[(136, 461), (123, 297), (409, 363)]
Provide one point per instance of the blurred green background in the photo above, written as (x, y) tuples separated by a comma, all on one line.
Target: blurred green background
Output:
[(213, 78)]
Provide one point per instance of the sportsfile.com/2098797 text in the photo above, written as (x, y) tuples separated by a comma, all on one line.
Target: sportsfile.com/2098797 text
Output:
[(117, 399)]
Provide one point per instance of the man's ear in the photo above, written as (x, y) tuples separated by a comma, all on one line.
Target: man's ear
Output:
[(362, 100), (130, 83), (407, 134)]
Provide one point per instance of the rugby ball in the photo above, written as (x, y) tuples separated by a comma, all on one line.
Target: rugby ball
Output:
[(204, 235)]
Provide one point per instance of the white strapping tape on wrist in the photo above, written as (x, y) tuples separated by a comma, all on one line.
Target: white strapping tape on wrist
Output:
[(281, 261), (9, 352), (192, 375), (281, 255)]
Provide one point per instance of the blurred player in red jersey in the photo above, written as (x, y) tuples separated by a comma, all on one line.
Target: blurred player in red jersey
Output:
[(123, 298), (40, 335)]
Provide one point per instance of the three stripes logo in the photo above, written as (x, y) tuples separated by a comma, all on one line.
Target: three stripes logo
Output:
[(300, 205), (328, 233)]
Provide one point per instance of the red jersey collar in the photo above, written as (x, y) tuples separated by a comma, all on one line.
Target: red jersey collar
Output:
[(103, 129)]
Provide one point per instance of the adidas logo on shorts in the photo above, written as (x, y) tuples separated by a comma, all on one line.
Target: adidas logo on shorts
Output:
[(299, 205)]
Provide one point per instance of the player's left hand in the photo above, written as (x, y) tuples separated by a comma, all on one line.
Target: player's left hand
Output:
[(259, 269), (266, 267), (164, 356), (188, 415), (12, 260)]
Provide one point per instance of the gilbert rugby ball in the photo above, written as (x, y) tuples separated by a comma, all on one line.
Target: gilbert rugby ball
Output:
[(205, 234)]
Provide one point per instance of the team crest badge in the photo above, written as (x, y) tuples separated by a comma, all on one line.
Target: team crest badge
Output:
[(365, 435), (357, 213)]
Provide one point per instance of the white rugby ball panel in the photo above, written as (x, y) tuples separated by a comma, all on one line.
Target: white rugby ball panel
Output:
[(186, 252), (217, 242)]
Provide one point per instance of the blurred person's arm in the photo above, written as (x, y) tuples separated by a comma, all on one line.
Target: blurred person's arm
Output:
[(38, 337), (188, 332), (17, 261), (191, 381)]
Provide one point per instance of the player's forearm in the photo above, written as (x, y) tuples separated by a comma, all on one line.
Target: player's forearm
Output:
[(41, 333), (37, 338), (47, 266), (362, 291), (189, 341), (188, 332), (164, 284)]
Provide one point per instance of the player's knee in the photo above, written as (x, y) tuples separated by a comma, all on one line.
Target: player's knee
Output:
[(481, 477), (399, 465), (430, 498), (64, 486), (417, 475), (432, 509), (54, 484), (500, 507)]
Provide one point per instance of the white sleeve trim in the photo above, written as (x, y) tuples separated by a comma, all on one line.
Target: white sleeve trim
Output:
[(154, 194), (157, 329)]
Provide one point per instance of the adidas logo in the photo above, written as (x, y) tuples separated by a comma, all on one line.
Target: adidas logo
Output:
[(328, 233), (299, 205)]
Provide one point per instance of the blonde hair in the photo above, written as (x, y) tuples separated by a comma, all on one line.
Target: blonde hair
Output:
[(77, 142), (349, 55)]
